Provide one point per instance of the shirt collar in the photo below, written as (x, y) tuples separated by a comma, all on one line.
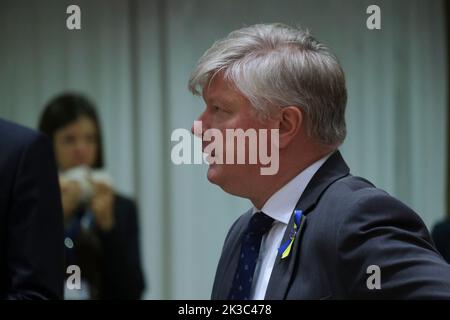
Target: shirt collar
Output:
[(282, 203)]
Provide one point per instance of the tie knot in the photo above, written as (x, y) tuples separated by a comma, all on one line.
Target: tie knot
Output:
[(259, 224)]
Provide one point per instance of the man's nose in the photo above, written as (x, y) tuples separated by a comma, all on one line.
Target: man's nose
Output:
[(199, 126)]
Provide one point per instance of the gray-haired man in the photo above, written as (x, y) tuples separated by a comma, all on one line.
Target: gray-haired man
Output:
[(315, 231)]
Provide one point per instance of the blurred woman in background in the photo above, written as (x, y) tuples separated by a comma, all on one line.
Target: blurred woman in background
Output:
[(101, 229)]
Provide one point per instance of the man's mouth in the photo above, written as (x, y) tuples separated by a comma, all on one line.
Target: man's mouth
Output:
[(211, 153)]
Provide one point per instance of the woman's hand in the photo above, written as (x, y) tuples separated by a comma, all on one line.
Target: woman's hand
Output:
[(70, 196), (102, 205)]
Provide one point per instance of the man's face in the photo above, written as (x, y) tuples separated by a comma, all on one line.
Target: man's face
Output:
[(227, 108)]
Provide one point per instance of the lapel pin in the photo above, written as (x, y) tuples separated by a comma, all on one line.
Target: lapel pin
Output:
[(285, 248)]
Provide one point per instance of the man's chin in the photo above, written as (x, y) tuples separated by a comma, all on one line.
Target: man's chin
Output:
[(220, 177), (213, 174)]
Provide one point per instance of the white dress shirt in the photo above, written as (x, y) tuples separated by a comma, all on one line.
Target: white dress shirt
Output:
[(280, 207)]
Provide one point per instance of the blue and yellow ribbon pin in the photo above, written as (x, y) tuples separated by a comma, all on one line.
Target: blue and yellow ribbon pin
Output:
[(285, 248)]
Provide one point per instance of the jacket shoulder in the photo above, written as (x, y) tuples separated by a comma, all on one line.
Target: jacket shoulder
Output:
[(14, 138), (13, 133), (124, 202), (352, 191)]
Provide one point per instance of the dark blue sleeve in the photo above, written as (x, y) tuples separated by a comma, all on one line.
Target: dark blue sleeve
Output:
[(35, 263), (122, 276), (441, 238), (379, 230)]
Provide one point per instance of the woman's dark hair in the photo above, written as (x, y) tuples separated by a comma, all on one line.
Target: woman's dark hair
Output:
[(65, 109)]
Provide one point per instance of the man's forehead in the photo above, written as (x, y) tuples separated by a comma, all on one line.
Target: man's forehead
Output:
[(217, 88)]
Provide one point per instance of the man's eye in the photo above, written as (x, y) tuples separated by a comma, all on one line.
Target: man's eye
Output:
[(219, 109)]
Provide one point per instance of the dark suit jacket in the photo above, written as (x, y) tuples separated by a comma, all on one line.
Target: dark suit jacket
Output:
[(348, 225), (31, 226), (441, 237), (110, 261), (122, 275)]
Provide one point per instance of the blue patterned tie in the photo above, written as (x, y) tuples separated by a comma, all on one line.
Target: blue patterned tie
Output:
[(259, 224)]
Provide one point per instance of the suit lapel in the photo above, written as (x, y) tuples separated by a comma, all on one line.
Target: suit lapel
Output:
[(279, 282), (231, 257), (284, 270)]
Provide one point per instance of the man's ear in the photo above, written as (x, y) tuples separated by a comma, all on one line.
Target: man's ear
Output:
[(290, 122)]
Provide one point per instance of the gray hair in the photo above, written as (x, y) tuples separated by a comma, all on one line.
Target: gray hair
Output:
[(275, 65)]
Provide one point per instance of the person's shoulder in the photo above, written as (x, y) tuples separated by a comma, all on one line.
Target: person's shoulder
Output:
[(442, 228), (125, 213), (124, 201), (352, 189), (125, 207), (15, 136), (356, 201), (353, 195), (351, 183), (19, 143)]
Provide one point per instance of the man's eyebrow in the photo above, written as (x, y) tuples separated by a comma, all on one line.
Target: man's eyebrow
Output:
[(223, 100)]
